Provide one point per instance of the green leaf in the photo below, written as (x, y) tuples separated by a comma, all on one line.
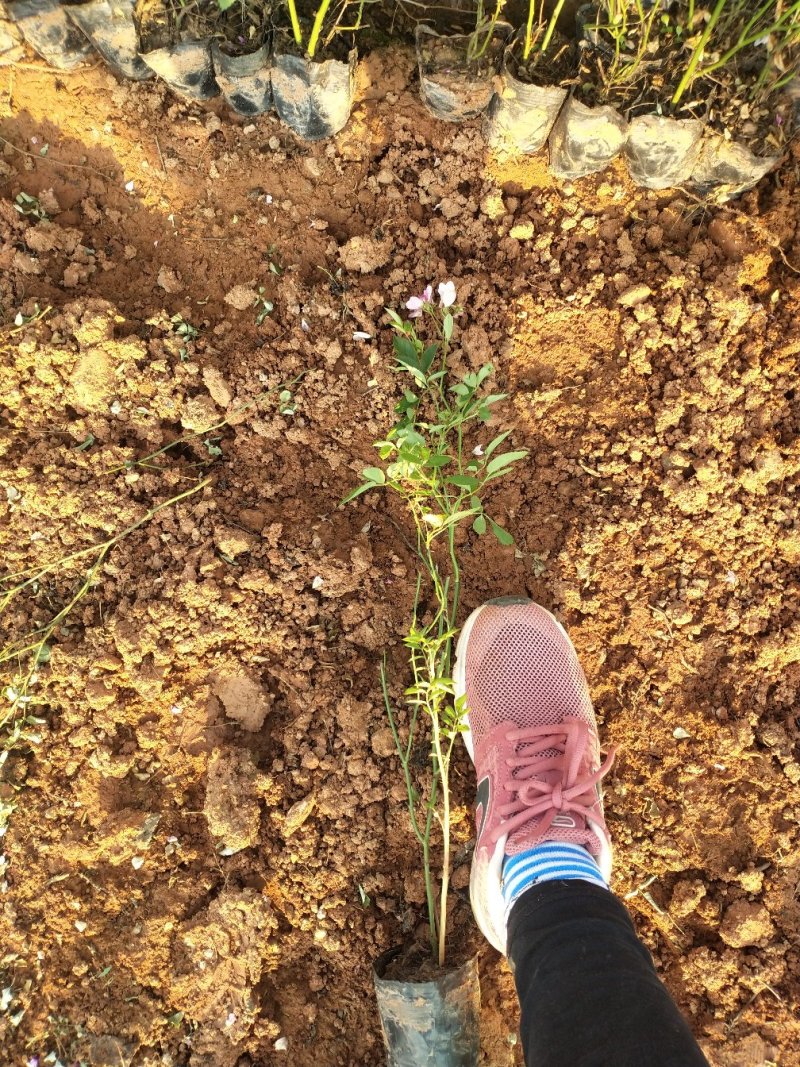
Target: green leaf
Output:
[(394, 318), (428, 356), (447, 326), (406, 352), (463, 481), (479, 526), (439, 460), (455, 519), (415, 372), (357, 492), (503, 536), (363, 896), (507, 458), (410, 437), (496, 443), (374, 474)]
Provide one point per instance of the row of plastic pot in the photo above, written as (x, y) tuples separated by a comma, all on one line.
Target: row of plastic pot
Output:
[(314, 97), (520, 118)]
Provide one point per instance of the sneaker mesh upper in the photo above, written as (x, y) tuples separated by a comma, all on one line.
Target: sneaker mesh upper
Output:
[(522, 667)]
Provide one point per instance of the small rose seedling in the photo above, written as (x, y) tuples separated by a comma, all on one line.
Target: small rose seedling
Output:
[(441, 480)]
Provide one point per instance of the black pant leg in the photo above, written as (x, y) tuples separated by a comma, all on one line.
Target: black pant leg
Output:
[(589, 994)]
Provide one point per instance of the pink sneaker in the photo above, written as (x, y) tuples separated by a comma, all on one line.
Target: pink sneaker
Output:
[(533, 739)]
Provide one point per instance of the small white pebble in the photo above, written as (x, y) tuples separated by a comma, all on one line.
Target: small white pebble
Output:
[(680, 734), (281, 1045), (80, 925), (129, 187), (361, 335), (116, 408), (477, 451), (137, 862), (318, 583), (230, 1020), (304, 326), (250, 128)]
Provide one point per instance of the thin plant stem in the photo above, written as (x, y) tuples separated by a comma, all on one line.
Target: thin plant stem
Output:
[(444, 772), (697, 54), (423, 837), (195, 435), (35, 649), (551, 27), (295, 21), (41, 571), (316, 29)]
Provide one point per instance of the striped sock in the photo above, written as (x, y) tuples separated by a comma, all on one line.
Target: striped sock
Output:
[(551, 861)]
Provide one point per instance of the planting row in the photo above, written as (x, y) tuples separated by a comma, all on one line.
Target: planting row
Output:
[(697, 98)]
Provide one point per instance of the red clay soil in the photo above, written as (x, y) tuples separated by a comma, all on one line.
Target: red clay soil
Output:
[(215, 794)]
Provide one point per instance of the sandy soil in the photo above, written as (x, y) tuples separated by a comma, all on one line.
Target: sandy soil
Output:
[(214, 780)]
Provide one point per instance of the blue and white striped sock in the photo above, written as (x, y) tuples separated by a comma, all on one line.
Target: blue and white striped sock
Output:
[(551, 861)]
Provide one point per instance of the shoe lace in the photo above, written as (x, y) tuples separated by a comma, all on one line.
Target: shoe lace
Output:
[(545, 777)]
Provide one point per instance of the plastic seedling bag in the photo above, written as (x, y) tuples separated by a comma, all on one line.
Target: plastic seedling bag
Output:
[(109, 25), (725, 169), (584, 140), (245, 80), (430, 1024), (529, 97), (46, 28), (455, 85), (313, 97), (521, 115), (186, 67), (662, 152)]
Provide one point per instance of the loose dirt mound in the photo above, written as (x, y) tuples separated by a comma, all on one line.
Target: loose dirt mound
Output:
[(210, 844)]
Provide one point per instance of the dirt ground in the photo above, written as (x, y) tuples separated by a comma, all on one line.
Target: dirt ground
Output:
[(209, 845)]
